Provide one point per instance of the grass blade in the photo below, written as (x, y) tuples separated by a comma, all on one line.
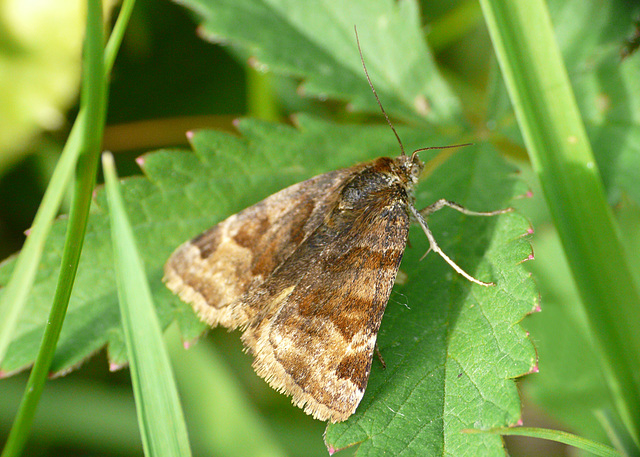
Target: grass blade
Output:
[(160, 417), (558, 436)]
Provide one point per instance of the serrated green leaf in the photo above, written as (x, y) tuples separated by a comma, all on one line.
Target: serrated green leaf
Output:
[(451, 348), (184, 194), (315, 41)]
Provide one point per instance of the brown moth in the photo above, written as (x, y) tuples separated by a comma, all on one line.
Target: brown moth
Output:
[(306, 275)]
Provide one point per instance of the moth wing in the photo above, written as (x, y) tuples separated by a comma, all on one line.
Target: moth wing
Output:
[(217, 267), (313, 334)]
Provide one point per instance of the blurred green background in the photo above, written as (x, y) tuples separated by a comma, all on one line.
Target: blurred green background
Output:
[(167, 81)]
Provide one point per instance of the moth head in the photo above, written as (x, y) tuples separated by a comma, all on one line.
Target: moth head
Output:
[(411, 167)]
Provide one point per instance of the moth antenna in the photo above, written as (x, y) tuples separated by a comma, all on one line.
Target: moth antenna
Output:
[(443, 147), (376, 95)]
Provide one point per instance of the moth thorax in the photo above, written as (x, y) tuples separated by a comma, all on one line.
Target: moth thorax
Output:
[(366, 185)]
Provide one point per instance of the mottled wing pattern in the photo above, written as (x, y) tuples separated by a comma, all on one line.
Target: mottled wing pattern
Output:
[(313, 323), (216, 268)]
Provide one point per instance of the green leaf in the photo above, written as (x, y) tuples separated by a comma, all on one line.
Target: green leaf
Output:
[(452, 348), (570, 384), (315, 41), (184, 194), (590, 34)]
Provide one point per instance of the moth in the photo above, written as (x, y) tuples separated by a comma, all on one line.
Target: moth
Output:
[(307, 272)]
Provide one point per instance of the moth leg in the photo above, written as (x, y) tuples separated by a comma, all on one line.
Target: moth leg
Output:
[(433, 245), (432, 208), (379, 354)]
